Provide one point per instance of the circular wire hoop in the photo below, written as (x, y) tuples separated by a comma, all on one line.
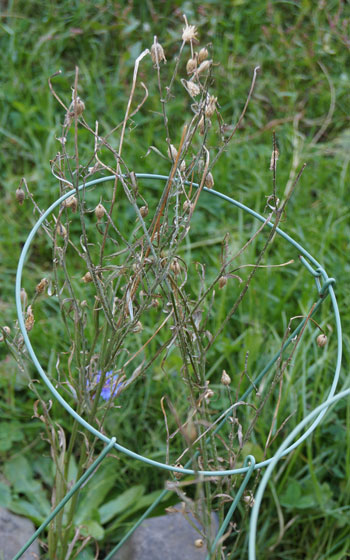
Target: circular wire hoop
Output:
[(323, 282), (324, 286)]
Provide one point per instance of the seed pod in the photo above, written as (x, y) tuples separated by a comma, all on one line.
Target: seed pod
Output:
[(222, 282), (71, 203), (190, 431), (61, 230), (191, 65), (178, 474), (321, 340), (172, 152), (87, 277), (24, 297), (225, 378), (209, 181), (138, 327), (198, 543), (29, 322), (274, 157), (157, 52), (100, 211), (192, 88), (175, 267), (210, 106), (20, 195), (183, 166), (144, 211), (187, 206), (78, 106), (6, 332), (209, 393), (42, 286), (204, 66), (201, 125), (203, 55)]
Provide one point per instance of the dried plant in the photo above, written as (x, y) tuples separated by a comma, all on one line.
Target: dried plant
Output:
[(128, 301)]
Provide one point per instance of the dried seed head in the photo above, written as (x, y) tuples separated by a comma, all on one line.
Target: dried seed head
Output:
[(204, 66), (29, 322), (187, 206), (42, 286), (191, 65), (198, 543), (20, 195), (190, 431), (87, 277), (210, 106), (172, 152), (157, 52), (201, 125), (321, 340), (249, 500), (274, 157), (192, 88), (183, 166), (138, 327), (222, 282), (78, 106), (71, 203), (203, 55), (6, 331), (61, 230), (209, 181), (178, 474), (144, 211), (100, 211), (225, 378), (209, 393), (189, 33), (175, 266)]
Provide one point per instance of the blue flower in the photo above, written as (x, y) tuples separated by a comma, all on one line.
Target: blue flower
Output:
[(111, 386)]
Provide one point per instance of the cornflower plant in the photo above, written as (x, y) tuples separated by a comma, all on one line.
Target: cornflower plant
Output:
[(133, 307)]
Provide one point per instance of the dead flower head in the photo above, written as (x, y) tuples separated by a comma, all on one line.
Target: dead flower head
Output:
[(29, 322), (157, 53), (189, 33)]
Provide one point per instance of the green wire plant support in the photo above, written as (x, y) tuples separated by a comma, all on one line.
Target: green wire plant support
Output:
[(324, 286)]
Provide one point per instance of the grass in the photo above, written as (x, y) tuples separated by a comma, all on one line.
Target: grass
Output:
[(302, 89)]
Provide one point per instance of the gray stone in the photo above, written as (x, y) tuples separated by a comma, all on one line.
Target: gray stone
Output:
[(170, 536), (14, 533)]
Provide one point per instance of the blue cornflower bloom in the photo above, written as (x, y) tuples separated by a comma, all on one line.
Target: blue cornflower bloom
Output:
[(111, 386)]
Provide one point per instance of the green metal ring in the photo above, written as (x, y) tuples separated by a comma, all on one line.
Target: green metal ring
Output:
[(307, 258)]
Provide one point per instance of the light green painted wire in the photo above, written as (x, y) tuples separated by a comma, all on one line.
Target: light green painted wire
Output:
[(249, 464), (279, 453), (318, 271), (67, 497)]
